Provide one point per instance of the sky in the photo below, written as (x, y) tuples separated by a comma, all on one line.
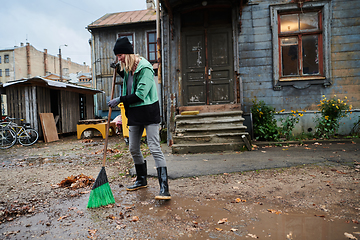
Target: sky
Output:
[(50, 24)]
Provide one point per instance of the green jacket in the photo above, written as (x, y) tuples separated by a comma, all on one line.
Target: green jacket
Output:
[(144, 85)]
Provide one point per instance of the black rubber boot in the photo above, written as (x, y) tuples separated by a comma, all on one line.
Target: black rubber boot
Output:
[(164, 186), (141, 182)]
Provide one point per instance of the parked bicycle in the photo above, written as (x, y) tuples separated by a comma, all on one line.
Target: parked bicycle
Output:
[(10, 132)]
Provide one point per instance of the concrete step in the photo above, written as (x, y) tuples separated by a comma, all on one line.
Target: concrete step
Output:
[(210, 147), (213, 138), (209, 131), (204, 123), (209, 115)]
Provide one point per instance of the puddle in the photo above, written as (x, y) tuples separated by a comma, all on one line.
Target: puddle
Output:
[(180, 218)]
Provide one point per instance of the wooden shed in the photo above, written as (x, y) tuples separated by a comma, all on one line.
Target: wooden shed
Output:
[(69, 103)]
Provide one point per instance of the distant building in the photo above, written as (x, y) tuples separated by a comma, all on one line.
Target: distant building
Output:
[(82, 79), (56, 77), (26, 61)]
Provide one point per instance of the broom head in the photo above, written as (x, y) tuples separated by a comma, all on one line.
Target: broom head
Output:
[(101, 194)]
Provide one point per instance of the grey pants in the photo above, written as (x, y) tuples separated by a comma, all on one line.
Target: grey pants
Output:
[(153, 141)]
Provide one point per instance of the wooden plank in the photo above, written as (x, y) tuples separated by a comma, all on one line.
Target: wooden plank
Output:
[(351, 13), (345, 30), (49, 127), (345, 56), (345, 39)]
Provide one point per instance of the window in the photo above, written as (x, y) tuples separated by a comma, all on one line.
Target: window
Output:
[(300, 39), (6, 58), (151, 46), (0, 72), (0, 59), (301, 54), (130, 36), (7, 72)]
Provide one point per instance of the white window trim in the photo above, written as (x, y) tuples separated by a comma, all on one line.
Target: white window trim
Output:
[(296, 82)]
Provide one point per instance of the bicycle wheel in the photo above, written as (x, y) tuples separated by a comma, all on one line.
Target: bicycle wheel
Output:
[(7, 138), (28, 137)]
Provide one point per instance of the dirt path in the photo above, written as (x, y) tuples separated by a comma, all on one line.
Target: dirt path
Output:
[(286, 203)]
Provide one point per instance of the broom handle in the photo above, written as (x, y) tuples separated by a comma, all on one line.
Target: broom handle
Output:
[(109, 117)]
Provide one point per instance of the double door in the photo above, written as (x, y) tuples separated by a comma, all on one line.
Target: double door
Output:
[(207, 66)]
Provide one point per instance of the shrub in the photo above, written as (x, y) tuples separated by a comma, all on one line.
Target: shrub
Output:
[(331, 110), (264, 123), (288, 123)]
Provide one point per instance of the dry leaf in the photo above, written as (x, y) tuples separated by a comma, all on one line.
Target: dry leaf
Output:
[(120, 226), (62, 217), (274, 211), (134, 219), (252, 235), (234, 229), (349, 235), (218, 229), (222, 221), (92, 231)]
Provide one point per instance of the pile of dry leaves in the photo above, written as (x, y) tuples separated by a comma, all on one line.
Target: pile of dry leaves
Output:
[(75, 182)]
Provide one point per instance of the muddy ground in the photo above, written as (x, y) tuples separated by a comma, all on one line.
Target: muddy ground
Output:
[(317, 201)]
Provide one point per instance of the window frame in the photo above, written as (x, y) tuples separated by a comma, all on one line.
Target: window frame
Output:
[(6, 58), (324, 76), (0, 72), (126, 34), (7, 72), (148, 46)]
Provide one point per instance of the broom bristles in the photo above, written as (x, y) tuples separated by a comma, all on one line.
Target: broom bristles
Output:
[(101, 194)]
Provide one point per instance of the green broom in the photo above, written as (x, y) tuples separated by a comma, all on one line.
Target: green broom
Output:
[(101, 194)]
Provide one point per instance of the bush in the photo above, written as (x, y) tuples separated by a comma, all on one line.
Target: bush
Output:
[(264, 123), (288, 123), (331, 111)]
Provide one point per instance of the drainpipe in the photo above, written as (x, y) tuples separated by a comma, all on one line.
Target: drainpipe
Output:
[(158, 41), (158, 45)]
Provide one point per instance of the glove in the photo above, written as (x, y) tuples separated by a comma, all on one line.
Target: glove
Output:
[(114, 64), (113, 102)]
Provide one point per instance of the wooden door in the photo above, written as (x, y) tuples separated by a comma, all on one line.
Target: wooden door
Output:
[(207, 66)]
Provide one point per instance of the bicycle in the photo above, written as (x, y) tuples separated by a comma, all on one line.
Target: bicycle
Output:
[(7, 137), (24, 134)]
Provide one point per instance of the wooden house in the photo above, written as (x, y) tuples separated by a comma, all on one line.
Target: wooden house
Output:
[(218, 56), (69, 103)]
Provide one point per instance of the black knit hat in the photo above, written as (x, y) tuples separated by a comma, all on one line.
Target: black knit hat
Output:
[(123, 46)]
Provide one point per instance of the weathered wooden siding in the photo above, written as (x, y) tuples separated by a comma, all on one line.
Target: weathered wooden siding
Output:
[(22, 104), (256, 66), (345, 50), (70, 111), (43, 104)]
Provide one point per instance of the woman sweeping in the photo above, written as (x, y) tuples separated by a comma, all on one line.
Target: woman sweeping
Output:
[(142, 109)]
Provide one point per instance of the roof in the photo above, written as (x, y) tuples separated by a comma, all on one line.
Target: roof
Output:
[(52, 76), (121, 18), (51, 83)]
